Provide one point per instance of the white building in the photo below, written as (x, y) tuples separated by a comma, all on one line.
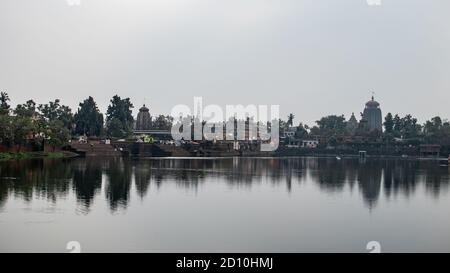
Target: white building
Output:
[(309, 144)]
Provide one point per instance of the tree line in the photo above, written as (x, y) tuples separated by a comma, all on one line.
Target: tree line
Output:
[(406, 129), (55, 123)]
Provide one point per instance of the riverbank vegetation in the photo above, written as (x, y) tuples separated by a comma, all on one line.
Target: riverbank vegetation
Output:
[(25, 155), (30, 126)]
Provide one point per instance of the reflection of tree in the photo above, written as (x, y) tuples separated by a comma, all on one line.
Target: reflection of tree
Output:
[(3, 193), (52, 179), (48, 179), (333, 175), (118, 172), (239, 172), (87, 180), (400, 176), (434, 178), (330, 174)]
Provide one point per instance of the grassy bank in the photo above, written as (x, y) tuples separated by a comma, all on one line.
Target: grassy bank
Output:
[(25, 155)]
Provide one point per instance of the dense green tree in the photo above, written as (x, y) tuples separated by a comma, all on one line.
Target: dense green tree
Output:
[(49, 110), (88, 119), (56, 133), (302, 131), (54, 111), (445, 134), (405, 127), (314, 131), (115, 128), (23, 129), (389, 123), (66, 117), (163, 122), (27, 109), (437, 131), (332, 125), (18, 129), (397, 125), (433, 126), (410, 128), (119, 118), (4, 103), (6, 130)]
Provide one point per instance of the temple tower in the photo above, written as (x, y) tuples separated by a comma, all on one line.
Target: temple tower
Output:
[(144, 120), (372, 114), (352, 124)]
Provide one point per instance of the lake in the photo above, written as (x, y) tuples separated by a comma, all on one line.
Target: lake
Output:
[(224, 205)]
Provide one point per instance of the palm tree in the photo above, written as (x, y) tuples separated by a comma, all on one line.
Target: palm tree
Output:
[(290, 120)]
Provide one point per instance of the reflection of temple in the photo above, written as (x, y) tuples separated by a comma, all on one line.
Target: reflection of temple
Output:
[(370, 181), (88, 177)]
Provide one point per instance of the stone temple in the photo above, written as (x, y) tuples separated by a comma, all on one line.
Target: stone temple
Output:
[(372, 115), (144, 120), (352, 124)]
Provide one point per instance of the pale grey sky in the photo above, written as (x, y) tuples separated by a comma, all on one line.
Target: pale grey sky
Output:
[(312, 57)]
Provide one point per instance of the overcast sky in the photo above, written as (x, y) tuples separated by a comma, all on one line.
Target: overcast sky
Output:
[(312, 57)]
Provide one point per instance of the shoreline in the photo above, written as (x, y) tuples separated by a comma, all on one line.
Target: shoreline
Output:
[(35, 155), (294, 156), (67, 154)]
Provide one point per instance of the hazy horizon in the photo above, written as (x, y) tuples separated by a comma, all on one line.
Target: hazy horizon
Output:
[(312, 57)]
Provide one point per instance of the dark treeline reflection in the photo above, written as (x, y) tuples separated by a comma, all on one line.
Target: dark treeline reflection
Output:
[(87, 178)]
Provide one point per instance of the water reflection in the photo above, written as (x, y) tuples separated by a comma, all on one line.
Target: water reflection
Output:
[(87, 178)]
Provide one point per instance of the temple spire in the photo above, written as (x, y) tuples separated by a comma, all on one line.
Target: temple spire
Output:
[(372, 114), (144, 119)]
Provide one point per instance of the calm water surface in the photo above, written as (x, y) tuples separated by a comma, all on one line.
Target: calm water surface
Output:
[(224, 205)]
